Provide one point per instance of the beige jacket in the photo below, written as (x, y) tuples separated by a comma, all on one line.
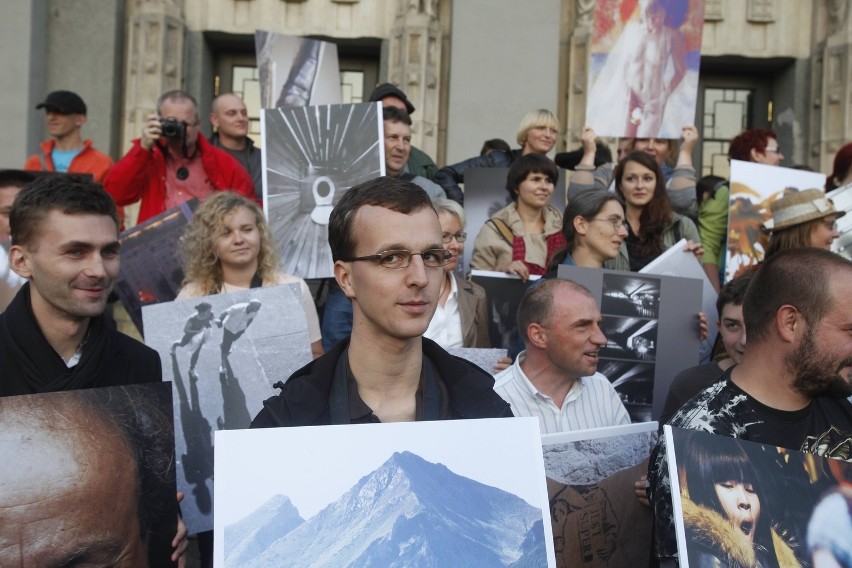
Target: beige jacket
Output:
[(492, 252)]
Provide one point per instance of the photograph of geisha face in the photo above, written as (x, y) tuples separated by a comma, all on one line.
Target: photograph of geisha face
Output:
[(727, 512)]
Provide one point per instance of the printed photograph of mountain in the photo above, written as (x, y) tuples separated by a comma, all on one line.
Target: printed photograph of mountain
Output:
[(442, 493), (408, 512)]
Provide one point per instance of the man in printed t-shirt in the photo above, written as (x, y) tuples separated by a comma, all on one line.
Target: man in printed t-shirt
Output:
[(790, 388)]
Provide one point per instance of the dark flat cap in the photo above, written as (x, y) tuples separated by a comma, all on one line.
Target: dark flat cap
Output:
[(388, 90)]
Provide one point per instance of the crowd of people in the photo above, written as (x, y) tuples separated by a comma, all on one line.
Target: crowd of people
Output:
[(397, 301)]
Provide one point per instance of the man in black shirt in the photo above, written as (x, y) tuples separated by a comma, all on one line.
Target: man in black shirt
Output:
[(388, 256), (790, 388)]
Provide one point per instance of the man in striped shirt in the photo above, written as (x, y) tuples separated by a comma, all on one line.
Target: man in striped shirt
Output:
[(555, 378)]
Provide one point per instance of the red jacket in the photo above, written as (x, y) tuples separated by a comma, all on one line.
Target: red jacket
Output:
[(88, 161), (141, 174)]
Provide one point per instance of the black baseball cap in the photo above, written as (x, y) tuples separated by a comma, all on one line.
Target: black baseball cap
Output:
[(388, 90), (65, 102)]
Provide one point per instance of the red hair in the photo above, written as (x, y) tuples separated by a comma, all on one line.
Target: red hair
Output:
[(748, 140), (842, 163)]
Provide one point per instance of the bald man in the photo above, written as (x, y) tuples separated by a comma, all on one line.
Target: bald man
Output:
[(230, 121)]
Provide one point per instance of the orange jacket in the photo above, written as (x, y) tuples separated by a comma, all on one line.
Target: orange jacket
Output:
[(88, 161)]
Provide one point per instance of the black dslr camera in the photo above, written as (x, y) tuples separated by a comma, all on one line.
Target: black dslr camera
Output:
[(172, 128)]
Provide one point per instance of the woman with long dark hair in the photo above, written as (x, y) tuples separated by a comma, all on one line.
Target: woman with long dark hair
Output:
[(651, 224)]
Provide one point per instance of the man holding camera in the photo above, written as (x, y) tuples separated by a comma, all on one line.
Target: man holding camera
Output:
[(172, 162)]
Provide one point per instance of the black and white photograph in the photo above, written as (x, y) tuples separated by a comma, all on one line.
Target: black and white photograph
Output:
[(151, 271), (748, 504), (652, 331), (629, 339), (504, 293), (484, 358), (296, 71), (627, 295), (223, 353), (441, 493), (485, 194), (311, 157), (596, 518)]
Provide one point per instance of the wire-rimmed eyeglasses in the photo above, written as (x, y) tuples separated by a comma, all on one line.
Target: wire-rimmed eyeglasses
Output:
[(401, 258)]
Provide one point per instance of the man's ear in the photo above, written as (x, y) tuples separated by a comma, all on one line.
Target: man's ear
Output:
[(344, 278), (214, 120), (19, 261), (80, 120), (789, 323), (537, 335)]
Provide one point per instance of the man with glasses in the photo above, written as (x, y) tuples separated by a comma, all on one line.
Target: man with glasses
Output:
[(172, 162), (388, 256), (555, 379)]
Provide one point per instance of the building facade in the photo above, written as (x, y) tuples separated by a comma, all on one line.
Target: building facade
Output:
[(472, 68)]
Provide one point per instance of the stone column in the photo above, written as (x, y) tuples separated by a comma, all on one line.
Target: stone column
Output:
[(154, 52), (414, 64), (579, 43), (832, 91)]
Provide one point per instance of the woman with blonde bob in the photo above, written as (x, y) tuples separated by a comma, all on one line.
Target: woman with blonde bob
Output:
[(802, 219), (228, 247), (536, 135)]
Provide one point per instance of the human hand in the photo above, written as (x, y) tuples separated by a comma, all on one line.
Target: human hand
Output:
[(640, 489), (518, 268), (151, 132), (688, 138), (587, 138), (694, 248), (703, 327), (503, 363), (180, 542)]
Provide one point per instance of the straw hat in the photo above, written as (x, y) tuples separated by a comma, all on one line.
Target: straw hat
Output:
[(799, 207)]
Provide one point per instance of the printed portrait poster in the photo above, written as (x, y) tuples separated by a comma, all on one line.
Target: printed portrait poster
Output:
[(224, 354), (643, 67), (311, 157), (753, 187), (296, 71), (504, 293), (485, 194), (842, 199), (652, 331), (88, 476), (151, 270), (442, 493), (760, 505), (596, 518)]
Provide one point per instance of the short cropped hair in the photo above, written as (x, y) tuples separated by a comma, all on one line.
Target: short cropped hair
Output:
[(537, 304), (69, 194), (535, 119), (748, 140), (16, 178), (176, 96), (453, 207), (797, 277), (394, 114), (526, 165), (388, 192), (733, 292)]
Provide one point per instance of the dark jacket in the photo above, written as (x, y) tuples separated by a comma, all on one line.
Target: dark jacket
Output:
[(449, 177), (304, 399), (29, 365), (249, 158)]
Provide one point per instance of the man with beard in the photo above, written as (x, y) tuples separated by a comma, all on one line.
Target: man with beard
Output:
[(789, 389)]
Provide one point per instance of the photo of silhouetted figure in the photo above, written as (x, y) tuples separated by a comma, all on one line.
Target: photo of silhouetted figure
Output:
[(195, 333)]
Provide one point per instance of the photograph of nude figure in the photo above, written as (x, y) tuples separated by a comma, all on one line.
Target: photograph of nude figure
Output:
[(643, 68)]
